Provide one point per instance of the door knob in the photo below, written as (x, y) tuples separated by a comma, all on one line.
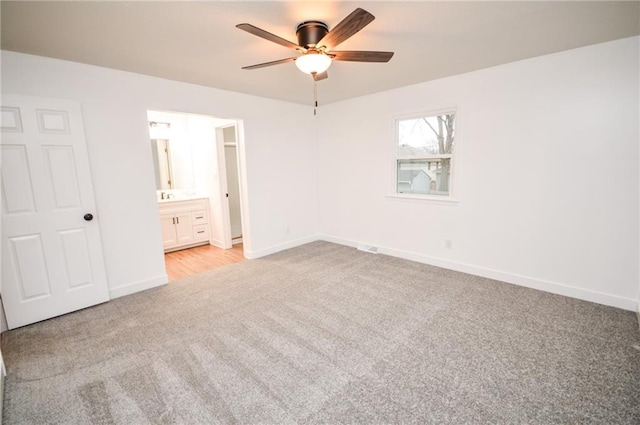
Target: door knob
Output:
[(88, 217)]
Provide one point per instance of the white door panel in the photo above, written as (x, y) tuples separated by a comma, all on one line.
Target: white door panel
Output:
[(169, 238), (184, 229), (27, 253), (52, 259), (75, 251), (60, 164), (17, 194)]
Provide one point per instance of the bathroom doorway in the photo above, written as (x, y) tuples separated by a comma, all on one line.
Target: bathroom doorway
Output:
[(199, 185)]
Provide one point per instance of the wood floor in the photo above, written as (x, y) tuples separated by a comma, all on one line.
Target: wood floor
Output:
[(201, 258)]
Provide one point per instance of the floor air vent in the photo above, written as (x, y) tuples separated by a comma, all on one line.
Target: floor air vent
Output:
[(368, 248)]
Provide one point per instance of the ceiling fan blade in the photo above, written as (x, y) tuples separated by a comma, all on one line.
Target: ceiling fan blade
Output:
[(267, 35), (350, 25), (321, 76), (262, 65), (361, 56)]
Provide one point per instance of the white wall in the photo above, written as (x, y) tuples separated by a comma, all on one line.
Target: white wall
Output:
[(546, 174), (281, 176)]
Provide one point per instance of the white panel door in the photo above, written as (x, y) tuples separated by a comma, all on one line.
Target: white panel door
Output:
[(52, 260)]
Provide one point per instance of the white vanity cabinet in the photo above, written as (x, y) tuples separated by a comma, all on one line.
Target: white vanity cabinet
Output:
[(184, 223)]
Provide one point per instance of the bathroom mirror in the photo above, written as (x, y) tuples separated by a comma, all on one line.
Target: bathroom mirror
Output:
[(173, 164), (160, 150)]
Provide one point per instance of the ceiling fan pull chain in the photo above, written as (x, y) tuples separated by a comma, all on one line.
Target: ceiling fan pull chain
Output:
[(315, 97)]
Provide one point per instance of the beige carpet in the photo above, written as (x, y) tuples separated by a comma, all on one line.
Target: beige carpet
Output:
[(327, 334)]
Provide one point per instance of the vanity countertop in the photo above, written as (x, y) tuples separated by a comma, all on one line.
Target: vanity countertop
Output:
[(189, 198)]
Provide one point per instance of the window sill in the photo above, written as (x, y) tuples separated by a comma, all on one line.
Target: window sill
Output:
[(424, 198)]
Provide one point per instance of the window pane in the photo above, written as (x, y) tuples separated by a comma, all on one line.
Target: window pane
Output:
[(424, 176), (426, 135)]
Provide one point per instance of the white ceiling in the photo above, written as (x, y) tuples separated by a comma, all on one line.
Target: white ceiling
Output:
[(197, 42)]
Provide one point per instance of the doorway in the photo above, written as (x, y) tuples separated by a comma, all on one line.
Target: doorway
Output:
[(204, 159)]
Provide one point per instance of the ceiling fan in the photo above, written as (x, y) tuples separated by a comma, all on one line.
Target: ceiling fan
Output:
[(316, 44)]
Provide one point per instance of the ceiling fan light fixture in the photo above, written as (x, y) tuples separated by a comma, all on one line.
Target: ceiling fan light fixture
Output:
[(313, 62)]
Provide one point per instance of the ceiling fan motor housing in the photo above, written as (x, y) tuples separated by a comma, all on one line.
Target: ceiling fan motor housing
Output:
[(309, 33)]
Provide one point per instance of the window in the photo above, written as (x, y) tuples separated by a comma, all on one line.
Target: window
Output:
[(424, 154)]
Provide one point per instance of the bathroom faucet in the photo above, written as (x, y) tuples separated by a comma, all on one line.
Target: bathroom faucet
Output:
[(161, 195)]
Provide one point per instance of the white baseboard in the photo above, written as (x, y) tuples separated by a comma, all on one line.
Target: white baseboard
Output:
[(341, 241), (180, 248), (219, 244), (638, 313), (3, 375), (134, 287), (529, 282), (252, 255)]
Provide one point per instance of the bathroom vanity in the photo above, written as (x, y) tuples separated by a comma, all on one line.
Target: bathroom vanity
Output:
[(185, 223)]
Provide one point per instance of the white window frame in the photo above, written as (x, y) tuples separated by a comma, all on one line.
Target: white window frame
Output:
[(395, 158)]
